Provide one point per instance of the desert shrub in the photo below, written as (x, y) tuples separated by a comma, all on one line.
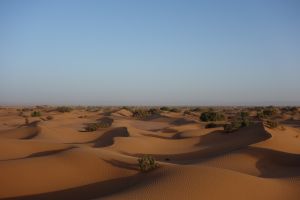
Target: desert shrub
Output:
[(211, 125), (269, 111), (153, 111), (174, 110), (64, 109), (236, 125), (244, 114), (272, 123), (105, 122), (291, 110), (140, 114), (232, 127), (245, 122), (93, 109), (36, 114), (196, 110), (164, 108), (49, 117), (211, 116), (91, 127), (260, 115), (143, 114), (147, 163)]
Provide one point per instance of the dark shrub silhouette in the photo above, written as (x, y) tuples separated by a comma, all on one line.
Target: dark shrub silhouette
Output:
[(147, 163), (36, 114), (164, 108), (211, 125), (211, 116), (271, 124)]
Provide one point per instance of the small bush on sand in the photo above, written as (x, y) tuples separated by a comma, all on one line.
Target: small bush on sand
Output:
[(144, 114), (164, 108), (232, 127), (91, 127), (271, 124), (260, 115), (101, 123), (147, 163), (236, 125), (174, 110), (211, 116), (36, 114), (154, 111), (196, 110), (105, 122), (64, 109), (211, 125), (49, 117), (244, 114), (245, 122), (269, 111)]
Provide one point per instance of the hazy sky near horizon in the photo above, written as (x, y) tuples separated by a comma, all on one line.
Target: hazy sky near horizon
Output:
[(155, 52)]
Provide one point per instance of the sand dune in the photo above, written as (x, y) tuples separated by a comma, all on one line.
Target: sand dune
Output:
[(54, 159)]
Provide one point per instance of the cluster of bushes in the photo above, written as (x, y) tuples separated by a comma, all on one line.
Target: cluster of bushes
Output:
[(271, 124), (196, 110), (144, 113), (64, 109), (174, 110), (240, 122), (232, 127), (212, 116), (147, 163), (102, 123), (164, 108), (93, 109), (267, 112), (36, 114)]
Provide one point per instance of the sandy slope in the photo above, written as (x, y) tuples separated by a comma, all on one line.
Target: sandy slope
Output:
[(54, 159)]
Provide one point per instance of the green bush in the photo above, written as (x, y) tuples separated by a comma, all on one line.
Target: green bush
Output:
[(147, 163), (211, 116), (36, 114), (101, 123), (244, 114), (143, 114), (91, 127), (232, 127), (105, 122), (236, 125), (174, 110), (196, 110), (269, 111), (272, 124), (260, 115), (164, 108), (245, 122), (64, 109)]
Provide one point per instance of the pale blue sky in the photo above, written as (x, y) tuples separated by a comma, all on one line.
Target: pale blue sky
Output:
[(154, 52)]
